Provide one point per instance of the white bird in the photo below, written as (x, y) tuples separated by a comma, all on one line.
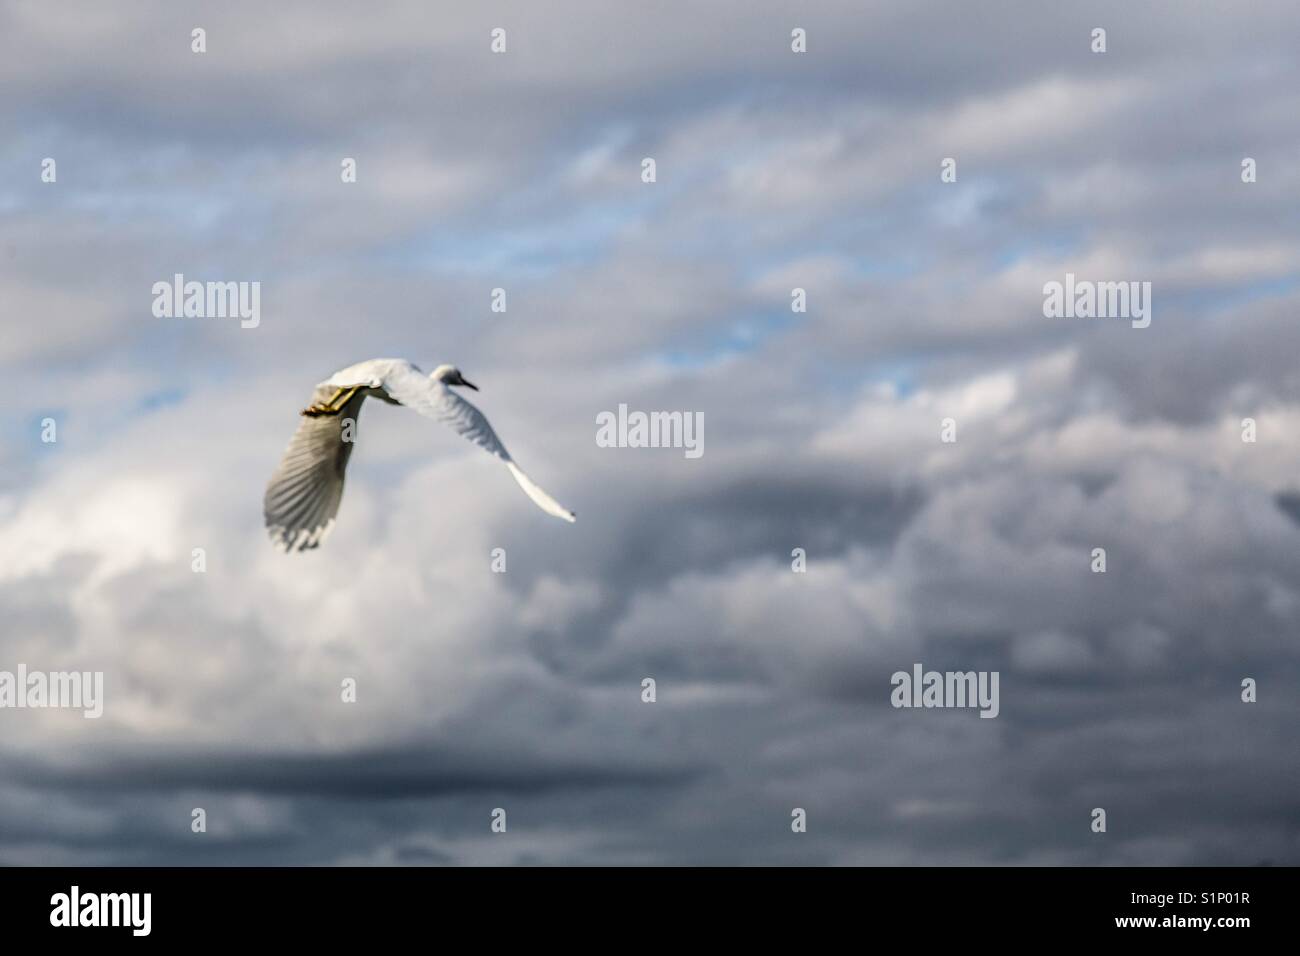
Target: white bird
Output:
[(303, 495)]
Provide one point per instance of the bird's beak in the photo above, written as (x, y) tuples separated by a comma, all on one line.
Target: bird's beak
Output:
[(467, 383)]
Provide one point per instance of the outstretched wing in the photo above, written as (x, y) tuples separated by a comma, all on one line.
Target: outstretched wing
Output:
[(433, 399), (303, 495)]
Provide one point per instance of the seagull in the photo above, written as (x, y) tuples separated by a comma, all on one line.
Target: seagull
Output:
[(303, 495)]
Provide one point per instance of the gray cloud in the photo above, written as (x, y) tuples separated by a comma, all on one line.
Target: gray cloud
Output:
[(776, 171)]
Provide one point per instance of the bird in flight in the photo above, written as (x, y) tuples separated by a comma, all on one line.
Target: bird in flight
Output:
[(303, 495)]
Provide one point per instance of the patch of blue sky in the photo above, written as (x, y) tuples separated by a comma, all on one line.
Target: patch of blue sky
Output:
[(961, 204), (899, 374), (1043, 245), (733, 338), (185, 212), (856, 263), (1224, 299), (866, 245), (133, 189), (532, 249), (160, 398)]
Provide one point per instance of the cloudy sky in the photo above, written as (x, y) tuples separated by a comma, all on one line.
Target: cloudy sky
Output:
[(775, 170)]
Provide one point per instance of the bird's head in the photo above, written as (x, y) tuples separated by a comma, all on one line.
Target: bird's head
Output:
[(450, 375)]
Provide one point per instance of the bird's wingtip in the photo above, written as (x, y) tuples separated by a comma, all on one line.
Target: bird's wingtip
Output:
[(287, 540)]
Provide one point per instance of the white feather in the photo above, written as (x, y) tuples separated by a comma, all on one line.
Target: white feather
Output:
[(303, 495)]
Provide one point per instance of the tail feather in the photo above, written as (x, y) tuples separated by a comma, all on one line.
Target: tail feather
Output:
[(541, 498)]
